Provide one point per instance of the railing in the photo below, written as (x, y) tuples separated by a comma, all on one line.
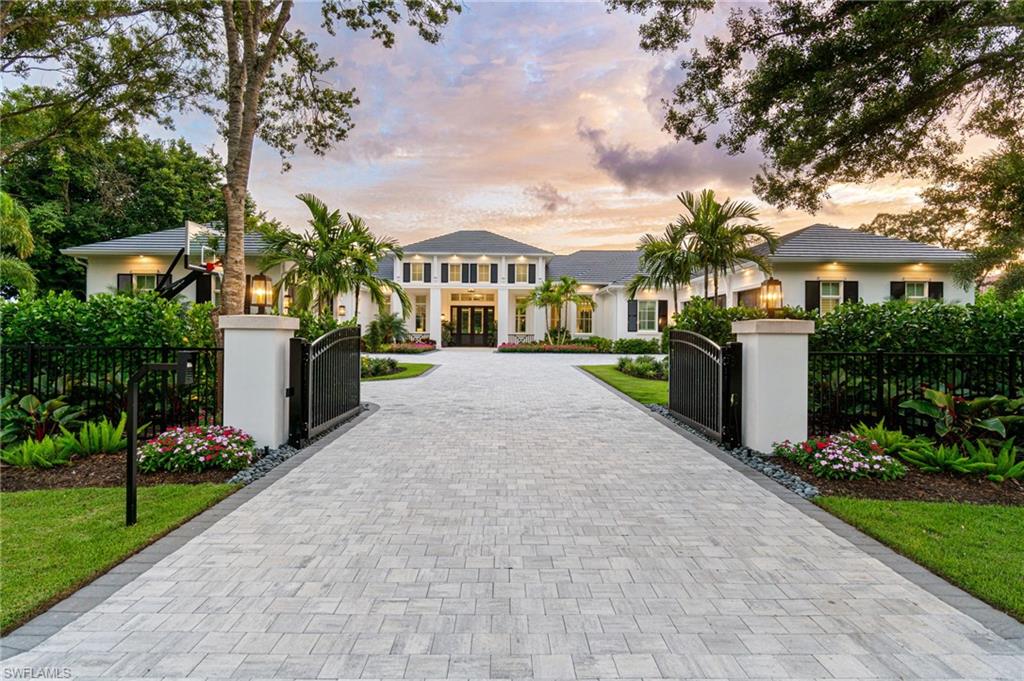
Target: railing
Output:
[(324, 383), (517, 338), (845, 388), (705, 385), (95, 379)]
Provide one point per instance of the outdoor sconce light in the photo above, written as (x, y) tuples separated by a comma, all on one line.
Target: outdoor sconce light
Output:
[(770, 296), (261, 292), (444, 317), (342, 310)]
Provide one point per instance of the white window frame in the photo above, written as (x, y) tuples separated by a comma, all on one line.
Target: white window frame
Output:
[(416, 271), (483, 273), (924, 291), (455, 272), (641, 306), (837, 298), (520, 320), (585, 313), (522, 272), (420, 316)]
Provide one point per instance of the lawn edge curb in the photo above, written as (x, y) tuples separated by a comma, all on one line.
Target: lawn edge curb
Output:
[(385, 379), (67, 610), (996, 621)]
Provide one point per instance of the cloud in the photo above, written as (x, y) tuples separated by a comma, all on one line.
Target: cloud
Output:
[(663, 169), (549, 197)]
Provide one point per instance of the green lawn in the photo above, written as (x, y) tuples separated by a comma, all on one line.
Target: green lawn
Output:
[(642, 390), (408, 370), (978, 548), (55, 541)]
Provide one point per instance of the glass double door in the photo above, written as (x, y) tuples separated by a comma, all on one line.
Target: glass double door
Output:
[(474, 326)]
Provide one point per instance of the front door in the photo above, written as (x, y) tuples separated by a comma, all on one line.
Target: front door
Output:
[(474, 326)]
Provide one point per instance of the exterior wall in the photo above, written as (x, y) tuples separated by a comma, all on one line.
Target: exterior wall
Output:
[(873, 280)]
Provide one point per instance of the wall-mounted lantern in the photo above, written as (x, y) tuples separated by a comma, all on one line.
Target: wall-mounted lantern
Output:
[(770, 297), (261, 292), (342, 311)]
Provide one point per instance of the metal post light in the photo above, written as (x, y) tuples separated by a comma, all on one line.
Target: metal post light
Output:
[(770, 296), (262, 292)]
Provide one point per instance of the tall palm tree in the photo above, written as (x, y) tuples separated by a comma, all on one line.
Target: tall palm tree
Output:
[(717, 242), (545, 295), (369, 250), (334, 258), (664, 263), (17, 244), (568, 291)]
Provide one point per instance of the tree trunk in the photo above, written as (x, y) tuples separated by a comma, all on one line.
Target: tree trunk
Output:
[(716, 287), (233, 287), (675, 298), (706, 274), (356, 306)]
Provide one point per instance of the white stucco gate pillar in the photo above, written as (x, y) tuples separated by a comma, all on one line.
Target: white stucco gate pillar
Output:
[(256, 375), (774, 380)]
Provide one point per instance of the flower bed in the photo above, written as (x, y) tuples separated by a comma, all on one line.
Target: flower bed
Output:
[(844, 457), (416, 348), (545, 347), (197, 448)]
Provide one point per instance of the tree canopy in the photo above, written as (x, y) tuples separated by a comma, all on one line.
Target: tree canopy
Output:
[(842, 91)]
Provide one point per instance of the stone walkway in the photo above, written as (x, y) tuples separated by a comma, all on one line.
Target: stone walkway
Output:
[(507, 517)]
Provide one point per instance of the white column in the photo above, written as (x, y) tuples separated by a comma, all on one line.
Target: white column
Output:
[(256, 375), (502, 314), (434, 315), (774, 380)]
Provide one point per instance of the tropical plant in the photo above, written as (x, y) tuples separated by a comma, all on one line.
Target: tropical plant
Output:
[(338, 255), (377, 366), (717, 236), (664, 263), (45, 453), (1001, 465), (15, 246), (942, 458), (38, 419), (97, 437), (385, 329), (568, 289), (545, 295), (892, 441), (644, 366), (958, 419)]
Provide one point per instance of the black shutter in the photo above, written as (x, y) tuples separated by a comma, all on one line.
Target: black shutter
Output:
[(248, 294), (494, 273), (662, 314), (897, 290), (124, 282), (812, 295), (630, 315), (204, 288), (444, 273), (406, 272), (472, 273), (426, 272), (935, 290), (465, 273), (851, 292), (511, 273), (533, 273)]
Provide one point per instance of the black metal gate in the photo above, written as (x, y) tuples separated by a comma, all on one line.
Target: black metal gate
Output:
[(705, 385), (324, 383)]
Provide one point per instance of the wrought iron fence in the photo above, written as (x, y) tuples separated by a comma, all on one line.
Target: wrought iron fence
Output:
[(704, 386), (95, 379), (845, 388), (324, 378)]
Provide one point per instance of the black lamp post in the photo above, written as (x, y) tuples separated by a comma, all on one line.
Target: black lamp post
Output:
[(770, 297), (261, 291)]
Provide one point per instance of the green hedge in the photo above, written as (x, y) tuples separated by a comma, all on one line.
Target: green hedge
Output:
[(107, 319)]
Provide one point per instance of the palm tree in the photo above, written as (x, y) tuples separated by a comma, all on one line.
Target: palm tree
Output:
[(664, 263), (16, 240), (568, 292), (545, 295), (368, 252), (715, 241), (335, 257)]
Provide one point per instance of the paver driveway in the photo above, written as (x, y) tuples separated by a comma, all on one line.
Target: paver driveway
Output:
[(505, 516)]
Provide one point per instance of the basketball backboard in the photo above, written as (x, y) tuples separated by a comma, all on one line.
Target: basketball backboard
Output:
[(203, 248)]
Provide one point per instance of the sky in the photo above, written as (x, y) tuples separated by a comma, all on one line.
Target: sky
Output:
[(539, 121)]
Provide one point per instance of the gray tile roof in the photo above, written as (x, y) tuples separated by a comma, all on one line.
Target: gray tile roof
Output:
[(821, 243), (474, 241), (165, 242), (595, 267), (386, 268)]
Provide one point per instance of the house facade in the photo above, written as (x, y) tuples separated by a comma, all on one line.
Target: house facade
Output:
[(473, 285)]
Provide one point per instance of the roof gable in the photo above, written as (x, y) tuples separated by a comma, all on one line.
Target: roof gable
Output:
[(474, 241), (827, 242)]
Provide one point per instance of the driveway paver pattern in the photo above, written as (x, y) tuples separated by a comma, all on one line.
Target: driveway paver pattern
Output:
[(507, 517)]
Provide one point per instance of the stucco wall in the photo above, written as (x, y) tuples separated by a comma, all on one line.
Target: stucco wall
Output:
[(102, 271)]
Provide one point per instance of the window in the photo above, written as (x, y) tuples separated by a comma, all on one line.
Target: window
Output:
[(483, 273), (521, 314), (416, 271), (556, 316), (421, 313), (917, 290), (144, 282), (522, 272), (831, 293), (585, 317), (385, 308), (472, 297), (455, 272), (647, 315)]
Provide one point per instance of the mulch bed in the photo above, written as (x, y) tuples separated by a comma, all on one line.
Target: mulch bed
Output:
[(917, 486), (98, 470)]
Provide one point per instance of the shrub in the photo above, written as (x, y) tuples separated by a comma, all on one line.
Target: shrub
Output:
[(842, 457), (546, 347), (599, 343), (45, 453), (378, 366), (942, 459), (28, 417), (97, 437), (998, 466), (312, 326), (417, 348), (197, 448), (892, 441), (644, 366), (636, 346), (957, 419)]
